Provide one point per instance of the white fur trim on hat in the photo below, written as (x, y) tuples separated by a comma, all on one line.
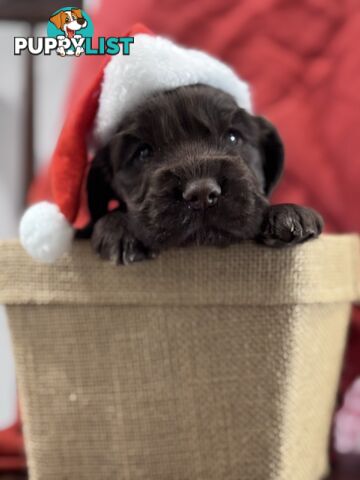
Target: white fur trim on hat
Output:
[(155, 64), (45, 233)]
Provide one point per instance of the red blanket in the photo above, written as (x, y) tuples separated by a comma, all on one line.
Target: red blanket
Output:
[(11, 449)]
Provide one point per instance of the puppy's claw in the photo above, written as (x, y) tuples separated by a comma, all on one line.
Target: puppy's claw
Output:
[(135, 251), (112, 241), (287, 224), (131, 251)]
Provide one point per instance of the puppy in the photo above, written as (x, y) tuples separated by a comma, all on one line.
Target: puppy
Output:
[(188, 166), (70, 22)]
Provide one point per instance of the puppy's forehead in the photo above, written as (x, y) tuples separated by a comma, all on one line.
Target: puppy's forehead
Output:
[(182, 110), (191, 100)]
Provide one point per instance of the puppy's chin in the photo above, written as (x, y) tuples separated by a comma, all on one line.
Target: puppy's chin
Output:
[(165, 221)]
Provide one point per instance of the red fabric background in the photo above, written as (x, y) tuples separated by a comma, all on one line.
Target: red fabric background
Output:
[(12, 455), (302, 60)]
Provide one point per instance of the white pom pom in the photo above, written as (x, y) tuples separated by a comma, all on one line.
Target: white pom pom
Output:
[(45, 233)]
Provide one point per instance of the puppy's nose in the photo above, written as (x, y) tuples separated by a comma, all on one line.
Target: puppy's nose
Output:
[(202, 193), (81, 21)]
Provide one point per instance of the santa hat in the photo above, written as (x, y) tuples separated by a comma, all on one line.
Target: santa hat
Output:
[(154, 64)]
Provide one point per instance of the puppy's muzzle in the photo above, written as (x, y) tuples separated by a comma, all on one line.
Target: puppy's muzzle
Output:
[(202, 193), (197, 184)]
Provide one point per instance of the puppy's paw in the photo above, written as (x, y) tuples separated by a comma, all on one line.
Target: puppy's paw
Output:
[(288, 224), (112, 241), (132, 250), (61, 51), (79, 51)]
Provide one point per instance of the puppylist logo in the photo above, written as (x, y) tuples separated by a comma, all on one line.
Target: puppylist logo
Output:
[(71, 33)]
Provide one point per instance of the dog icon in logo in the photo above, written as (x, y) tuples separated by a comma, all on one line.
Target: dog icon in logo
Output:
[(70, 22)]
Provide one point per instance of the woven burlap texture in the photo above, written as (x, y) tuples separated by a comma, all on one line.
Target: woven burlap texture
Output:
[(205, 364)]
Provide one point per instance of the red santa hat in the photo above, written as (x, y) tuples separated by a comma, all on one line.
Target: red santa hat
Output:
[(154, 64)]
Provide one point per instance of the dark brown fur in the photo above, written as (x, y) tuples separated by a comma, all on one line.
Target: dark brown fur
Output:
[(172, 140)]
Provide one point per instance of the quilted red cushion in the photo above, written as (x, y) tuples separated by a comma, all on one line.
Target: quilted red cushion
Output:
[(12, 455)]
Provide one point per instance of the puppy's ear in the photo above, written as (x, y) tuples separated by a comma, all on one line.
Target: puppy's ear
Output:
[(99, 189), (77, 12), (272, 151), (57, 20)]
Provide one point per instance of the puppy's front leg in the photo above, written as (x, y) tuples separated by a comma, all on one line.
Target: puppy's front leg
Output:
[(113, 241), (288, 224)]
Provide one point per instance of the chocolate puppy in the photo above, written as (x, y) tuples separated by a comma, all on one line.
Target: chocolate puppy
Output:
[(188, 166)]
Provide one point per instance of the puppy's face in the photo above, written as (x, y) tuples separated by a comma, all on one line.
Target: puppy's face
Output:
[(189, 166), (69, 21)]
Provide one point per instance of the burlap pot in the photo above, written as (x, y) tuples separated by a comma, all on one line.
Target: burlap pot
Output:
[(205, 364)]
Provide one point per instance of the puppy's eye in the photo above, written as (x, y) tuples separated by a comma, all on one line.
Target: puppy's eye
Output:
[(233, 137), (144, 152)]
